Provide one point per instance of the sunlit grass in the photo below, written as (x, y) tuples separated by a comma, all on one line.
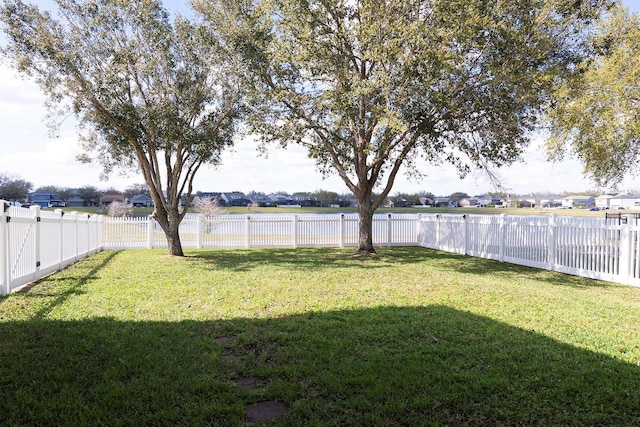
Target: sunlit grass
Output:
[(411, 337)]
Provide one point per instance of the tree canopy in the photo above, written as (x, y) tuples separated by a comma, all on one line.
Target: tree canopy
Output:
[(370, 87), (597, 114), (90, 195), (150, 92), (13, 188), (136, 189)]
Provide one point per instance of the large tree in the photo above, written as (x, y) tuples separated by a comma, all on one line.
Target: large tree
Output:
[(325, 197), (150, 92), (370, 86), (13, 188), (90, 195), (597, 114)]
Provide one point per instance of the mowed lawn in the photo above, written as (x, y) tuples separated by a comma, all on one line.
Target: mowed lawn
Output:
[(410, 338)]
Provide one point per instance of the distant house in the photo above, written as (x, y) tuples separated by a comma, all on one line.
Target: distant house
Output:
[(235, 198), (110, 197), (74, 200), (483, 200), (578, 201), (603, 201), (550, 201), (527, 203), (46, 200), (260, 199), (141, 201), (280, 199), (442, 202), (401, 202), (305, 200), (468, 202), (624, 201), (527, 200), (347, 201)]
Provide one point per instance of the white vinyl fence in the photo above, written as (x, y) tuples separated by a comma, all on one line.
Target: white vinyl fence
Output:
[(34, 243), (262, 231), (589, 247)]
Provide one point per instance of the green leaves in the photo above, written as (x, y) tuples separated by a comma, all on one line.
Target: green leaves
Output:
[(597, 114), (374, 80), (369, 86), (150, 93)]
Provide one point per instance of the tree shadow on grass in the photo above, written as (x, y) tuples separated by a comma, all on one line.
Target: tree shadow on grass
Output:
[(430, 365)]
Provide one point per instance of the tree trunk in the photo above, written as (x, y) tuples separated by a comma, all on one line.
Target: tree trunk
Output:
[(175, 245), (170, 224), (365, 226)]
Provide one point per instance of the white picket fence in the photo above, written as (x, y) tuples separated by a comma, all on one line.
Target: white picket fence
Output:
[(587, 247), (262, 231), (34, 243)]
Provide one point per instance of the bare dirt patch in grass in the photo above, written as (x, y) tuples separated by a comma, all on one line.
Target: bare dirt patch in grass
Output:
[(264, 412)]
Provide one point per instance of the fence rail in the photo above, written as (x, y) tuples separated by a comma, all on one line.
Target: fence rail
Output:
[(35, 243)]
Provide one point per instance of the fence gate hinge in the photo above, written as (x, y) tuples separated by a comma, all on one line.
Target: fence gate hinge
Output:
[(38, 219), (8, 219), (37, 263)]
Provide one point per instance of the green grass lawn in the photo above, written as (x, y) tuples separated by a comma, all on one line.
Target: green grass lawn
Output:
[(412, 337)]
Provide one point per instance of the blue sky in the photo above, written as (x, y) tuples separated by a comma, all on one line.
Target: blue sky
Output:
[(28, 152)]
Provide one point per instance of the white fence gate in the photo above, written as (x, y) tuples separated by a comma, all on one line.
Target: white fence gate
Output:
[(34, 243), (587, 247)]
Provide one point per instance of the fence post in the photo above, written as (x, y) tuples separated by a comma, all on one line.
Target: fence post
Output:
[(76, 236), (99, 233), (35, 212), (437, 240), (552, 242), (295, 230), (150, 231), (5, 282), (626, 251), (200, 228), (342, 230), (247, 232), (389, 230), (60, 214), (502, 235), (87, 227), (91, 235), (465, 233)]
